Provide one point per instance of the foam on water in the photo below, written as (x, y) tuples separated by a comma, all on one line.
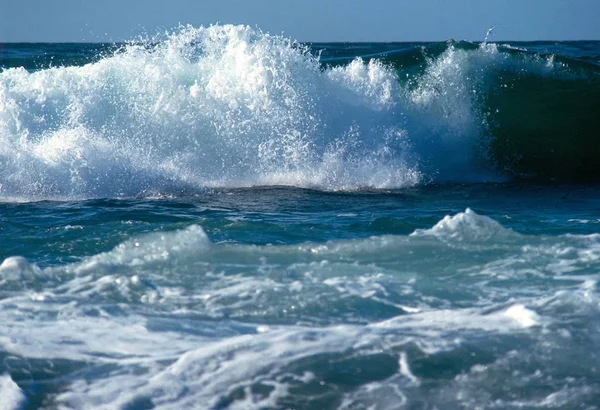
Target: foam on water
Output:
[(16, 268), (170, 320), (11, 396)]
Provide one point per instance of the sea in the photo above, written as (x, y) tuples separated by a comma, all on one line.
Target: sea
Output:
[(222, 218)]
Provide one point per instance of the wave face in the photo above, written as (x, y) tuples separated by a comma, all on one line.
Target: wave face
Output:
[(536, 106), (231, 106)]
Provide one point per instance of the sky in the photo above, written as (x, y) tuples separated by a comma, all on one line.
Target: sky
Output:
[(305, 20)]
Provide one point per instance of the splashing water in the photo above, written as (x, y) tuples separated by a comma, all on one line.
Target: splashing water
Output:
[(223, 106)]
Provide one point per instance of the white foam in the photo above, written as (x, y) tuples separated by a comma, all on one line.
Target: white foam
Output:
[(11, 396), (405, 368), (149, 249), (17, 268), (467, 226), (217, 106), (508, 320), (523, 316)]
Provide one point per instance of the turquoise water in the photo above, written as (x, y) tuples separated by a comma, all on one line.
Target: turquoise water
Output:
[(224, 219)]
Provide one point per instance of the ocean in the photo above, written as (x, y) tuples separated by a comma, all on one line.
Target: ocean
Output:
[(220, 218)]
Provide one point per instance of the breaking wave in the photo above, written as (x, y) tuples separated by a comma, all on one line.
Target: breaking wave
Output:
[(231, 106)]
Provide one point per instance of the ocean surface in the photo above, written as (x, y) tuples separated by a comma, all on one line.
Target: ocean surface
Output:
[(219, 218)]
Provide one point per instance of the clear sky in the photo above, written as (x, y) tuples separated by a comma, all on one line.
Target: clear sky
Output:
[(304, 20)]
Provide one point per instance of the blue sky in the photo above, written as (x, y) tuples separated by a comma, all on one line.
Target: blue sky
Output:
[(306, 20)]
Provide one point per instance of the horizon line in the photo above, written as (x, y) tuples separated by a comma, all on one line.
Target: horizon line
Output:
[(321, 41)]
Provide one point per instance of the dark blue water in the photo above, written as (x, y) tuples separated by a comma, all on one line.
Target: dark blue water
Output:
[(228, 220)]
